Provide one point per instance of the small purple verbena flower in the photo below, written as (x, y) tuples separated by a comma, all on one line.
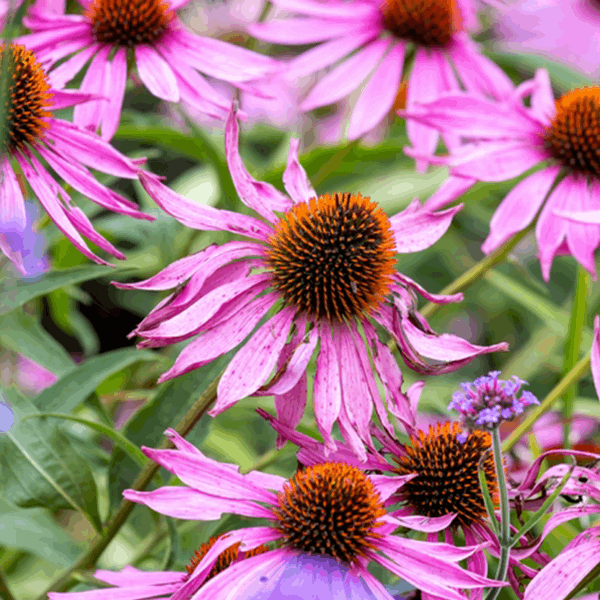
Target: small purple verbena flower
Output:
[(487, 401)]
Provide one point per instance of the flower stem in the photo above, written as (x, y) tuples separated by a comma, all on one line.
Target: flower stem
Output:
[(574, 375), (578, 314), (476, 271), (99, 543), (504, 539)]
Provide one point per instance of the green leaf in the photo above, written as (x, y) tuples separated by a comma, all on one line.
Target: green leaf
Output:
[(33, 530), (23, 291), (165, 410), (74, 387), (120, 440), (22, 333), (39, 467)]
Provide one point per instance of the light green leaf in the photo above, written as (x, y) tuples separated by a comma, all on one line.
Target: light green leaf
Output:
[(74, 387)]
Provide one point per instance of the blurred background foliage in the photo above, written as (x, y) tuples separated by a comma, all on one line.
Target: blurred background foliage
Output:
[(76, 444)]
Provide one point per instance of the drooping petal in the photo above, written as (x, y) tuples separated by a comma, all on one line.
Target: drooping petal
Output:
[(156, 74), (116, 81), (295, 179), (452, 188), (132, 576), (595, 355)]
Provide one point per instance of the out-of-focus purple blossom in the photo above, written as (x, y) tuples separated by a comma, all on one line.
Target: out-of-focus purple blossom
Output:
[(7, 418), (22, 245), (595, 356), (487, 401), (31, 377)]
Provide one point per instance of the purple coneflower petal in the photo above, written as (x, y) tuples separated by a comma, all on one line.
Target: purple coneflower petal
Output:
[(452, 188), (300, 30), (295, 179), (132, 576), (156, 74), (595, 355)]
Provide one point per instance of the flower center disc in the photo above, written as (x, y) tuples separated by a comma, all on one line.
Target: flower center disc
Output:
[(224, 559), (28, 98), (424, 22), (333, 257), (129, 22), (573, 137), (447, 480), (329, 509)]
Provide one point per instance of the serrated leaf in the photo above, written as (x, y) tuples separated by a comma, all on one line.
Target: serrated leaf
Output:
[(33, 530), (22, 333), (22, 291), (166, 409), (39, 467), (74, 387)]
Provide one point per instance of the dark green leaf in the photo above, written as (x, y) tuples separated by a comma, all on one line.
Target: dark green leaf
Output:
[(73, 388), (39, 467)]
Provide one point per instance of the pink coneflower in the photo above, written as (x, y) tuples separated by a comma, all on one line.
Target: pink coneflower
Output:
[(169, 58), (378, 33), (321, 270), (507, 139), (144, 585), (31, 132), (595, 355), (331, 511)]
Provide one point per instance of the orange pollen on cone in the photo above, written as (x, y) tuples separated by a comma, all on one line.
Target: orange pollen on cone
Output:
[(129, 22), (333, 258), (224, 559), (447, 479), (27, 100), (329, 509), (424, 22), (573, 137)]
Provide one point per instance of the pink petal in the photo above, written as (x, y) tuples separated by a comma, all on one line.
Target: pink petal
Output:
[(137, 592), (201, 216), (542, 98), (302, 30), (295, 179), (60, 76), (327, 392), (519, 207), (595, 355), (132, 576), (257, 195), (347, 76), (378, 95), (416, 228), (156, 74), (357, 11), (450, 190), (12, 204), (252, 365), (116, 82)]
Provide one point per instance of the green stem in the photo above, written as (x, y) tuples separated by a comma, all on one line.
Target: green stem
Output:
[(504, 538), (574, 375), (99, 544), (476, 271), (578, 315), (4, 591)]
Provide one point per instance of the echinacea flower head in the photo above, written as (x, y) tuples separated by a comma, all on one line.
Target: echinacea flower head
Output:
[(30, 131), (488, 401), (321, 270), (328, 515), (169, 58), (368, 40), (142, 585), (507, 139)]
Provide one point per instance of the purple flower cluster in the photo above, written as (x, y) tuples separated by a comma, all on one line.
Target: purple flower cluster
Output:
[(487, 401)]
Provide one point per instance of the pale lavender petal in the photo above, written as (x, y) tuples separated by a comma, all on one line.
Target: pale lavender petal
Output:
[(378, 95), (542, 98), (295, 179), (252, 365), (326, 54), (416, 228), (357, 11), (327, 392), (134, 592), (156, 74), (220, 339), (257, 195), (201, 216), (347, 76), (519, 207)]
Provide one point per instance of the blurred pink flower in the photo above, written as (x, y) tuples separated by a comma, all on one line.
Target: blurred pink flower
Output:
[(320, 269), (377, 35), (169, 58), (31, 377), (505, 140), (566, 32)]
